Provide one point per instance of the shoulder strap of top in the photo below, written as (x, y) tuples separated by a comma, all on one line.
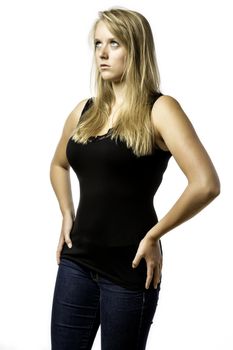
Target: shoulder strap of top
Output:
[(154, 97), (86, 106), (158, 94)]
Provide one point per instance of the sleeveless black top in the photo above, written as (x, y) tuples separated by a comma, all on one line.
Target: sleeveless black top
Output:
[(115, 208)]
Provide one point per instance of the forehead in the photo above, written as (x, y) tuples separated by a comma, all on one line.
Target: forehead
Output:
[(102, 31)]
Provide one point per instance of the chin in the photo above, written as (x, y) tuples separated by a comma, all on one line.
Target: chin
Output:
[(113, 79), (108, 78)]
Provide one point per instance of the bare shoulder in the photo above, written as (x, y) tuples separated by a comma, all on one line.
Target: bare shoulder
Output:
[(162, 106), (70, 124), (168, 117), (176, 131), (166, 107)]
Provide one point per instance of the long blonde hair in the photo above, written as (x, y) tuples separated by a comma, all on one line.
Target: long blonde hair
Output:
[(133, 124)]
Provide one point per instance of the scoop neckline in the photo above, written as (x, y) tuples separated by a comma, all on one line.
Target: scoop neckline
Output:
[(98, 136)]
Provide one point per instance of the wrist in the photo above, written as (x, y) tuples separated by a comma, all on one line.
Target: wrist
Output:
[(68, 214), (152, 235)]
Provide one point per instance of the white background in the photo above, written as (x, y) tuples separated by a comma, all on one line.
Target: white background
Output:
[(45, 72)]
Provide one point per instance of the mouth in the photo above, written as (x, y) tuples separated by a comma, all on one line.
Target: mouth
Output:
[(104, 66)]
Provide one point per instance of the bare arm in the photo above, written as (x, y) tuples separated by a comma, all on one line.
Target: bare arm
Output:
[(176, 132), (59, 168)]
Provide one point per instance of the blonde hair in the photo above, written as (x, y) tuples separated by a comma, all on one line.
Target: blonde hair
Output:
[(133, 124)]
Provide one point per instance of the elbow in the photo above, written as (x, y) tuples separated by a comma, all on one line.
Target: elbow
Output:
[(213, 192), (211, 189), (206, 188)]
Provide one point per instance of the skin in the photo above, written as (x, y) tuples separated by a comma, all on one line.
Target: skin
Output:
[(174, 132), (110, 51)]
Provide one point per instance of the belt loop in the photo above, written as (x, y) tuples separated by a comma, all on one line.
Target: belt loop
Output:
[(94, 275)]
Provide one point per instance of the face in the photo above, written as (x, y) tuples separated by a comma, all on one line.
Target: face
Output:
[(109, 51)]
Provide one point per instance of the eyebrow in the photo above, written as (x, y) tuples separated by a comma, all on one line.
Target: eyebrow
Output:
[(96, 39)]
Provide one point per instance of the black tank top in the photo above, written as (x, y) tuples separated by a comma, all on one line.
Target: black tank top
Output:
[(115, 208)]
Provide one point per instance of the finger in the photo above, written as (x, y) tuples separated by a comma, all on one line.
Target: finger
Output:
[(156, 279), (59, 248), (68, 240), (58, 257), (161, 262), (58, 252), (149, 276), (136, 260), (157, 275)]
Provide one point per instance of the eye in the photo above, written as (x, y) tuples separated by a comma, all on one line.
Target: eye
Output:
[(114, 42), (96, 43)]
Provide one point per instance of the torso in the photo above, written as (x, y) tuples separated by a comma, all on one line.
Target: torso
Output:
[(115, 206)]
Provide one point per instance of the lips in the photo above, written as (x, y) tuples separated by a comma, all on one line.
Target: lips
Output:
[(104, 65)]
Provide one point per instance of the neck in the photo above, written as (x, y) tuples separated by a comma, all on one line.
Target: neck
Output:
[(119, 92)]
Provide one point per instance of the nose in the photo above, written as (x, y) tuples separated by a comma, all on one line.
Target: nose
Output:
[(103, 53)]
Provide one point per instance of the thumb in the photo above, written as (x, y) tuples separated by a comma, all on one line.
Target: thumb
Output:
[(136, 260), (68, 241)]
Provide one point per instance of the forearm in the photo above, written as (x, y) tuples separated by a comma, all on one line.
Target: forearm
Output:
[(60, 180), (192, 201)]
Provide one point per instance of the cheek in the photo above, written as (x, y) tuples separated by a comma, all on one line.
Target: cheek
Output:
[(121, 60)]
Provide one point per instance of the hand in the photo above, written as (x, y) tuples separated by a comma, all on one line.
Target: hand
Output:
[(67, 224), (149, 249)]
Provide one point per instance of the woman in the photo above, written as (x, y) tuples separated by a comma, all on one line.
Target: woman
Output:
[(119, 144)]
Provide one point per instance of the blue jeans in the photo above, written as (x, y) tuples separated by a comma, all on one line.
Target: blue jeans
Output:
[(84, 299)]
